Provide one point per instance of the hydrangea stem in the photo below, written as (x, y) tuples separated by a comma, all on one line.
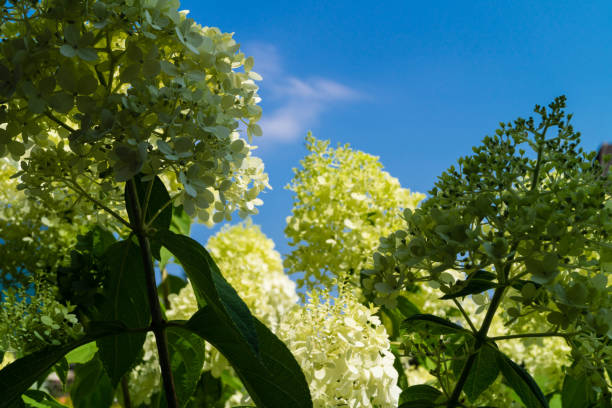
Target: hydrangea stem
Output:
[(127, 402), (481, 338), (158, 325)]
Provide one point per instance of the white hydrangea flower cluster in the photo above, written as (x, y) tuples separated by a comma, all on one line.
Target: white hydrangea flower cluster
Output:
[(344, 202), (344, 352), (167, 96)]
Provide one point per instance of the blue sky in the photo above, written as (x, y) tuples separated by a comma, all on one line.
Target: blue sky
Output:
[(416, 83)]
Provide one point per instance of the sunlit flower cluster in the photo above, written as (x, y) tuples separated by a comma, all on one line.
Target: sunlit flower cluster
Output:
[(105, 91), (344, 352), (343, 203)]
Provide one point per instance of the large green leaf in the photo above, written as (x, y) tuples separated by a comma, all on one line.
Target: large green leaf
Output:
[(125, 301), (209, 285), (274, 380), (483, 372), (158, 197), (431, 324), (577, 393), (92, 387), (18, 376), (521, 382)]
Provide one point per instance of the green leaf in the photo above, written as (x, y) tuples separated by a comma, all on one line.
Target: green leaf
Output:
[(18, 376), (543, 270), (62, 102), (406, 307), (87, 84), (67, 50), (130, 73), (186, 360), (87, 54), (61, 369), (274, 380), (421, 392), (15, 148), (67, 78), (37, 105), (483, 373), (158, 197), (209, 285), (181, 222), (431, 324), (72, 34), (92, 388), (151, 68), (175, 284), (521, 382), (82, 354), (477, 282), (577, 393), (40, 399), (125, 301)]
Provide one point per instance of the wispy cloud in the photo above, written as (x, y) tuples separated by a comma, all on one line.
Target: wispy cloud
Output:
[(293, 105)]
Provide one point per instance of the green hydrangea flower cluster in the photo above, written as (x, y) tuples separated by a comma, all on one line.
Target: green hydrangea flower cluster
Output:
[(93, 93), (36, 240), (343, 203), (31, 322), (529, 225)]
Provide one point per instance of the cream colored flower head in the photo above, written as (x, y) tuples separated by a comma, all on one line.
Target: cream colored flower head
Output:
[(108, 90), (343, 203), (344, 351)]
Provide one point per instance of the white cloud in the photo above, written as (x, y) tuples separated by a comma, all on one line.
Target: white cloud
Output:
[(296, 103)]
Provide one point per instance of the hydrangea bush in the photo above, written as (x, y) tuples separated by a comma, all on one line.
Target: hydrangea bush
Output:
[(121, 122)]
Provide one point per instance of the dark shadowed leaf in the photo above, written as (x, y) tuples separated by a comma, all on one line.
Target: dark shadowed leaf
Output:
[(431, 324), (406, 307), (421, 395), (477, 282), (92, 388), (521, 382), (483, 373), (125, 301), (209, 285), (186, 359), (18, 376), (577, 393)]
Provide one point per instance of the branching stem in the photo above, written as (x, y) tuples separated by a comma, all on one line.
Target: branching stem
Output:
[(481, 338), (158, 324)]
